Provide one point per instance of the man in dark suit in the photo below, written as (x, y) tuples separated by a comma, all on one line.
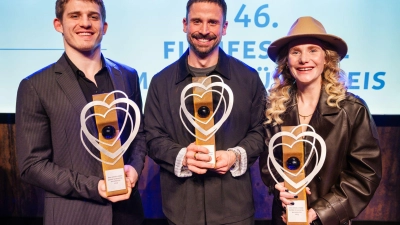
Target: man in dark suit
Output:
[(49, 102), (195, 191)]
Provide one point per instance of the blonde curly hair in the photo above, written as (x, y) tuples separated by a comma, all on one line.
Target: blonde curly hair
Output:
[(284, 85)]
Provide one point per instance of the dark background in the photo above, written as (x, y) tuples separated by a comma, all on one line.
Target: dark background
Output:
[(21, 203)]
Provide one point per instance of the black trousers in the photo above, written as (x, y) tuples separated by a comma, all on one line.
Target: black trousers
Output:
[(248, 221), (129, 212)]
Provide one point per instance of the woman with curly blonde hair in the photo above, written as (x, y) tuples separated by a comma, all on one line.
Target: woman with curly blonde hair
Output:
[(309, 88), (333, 82)]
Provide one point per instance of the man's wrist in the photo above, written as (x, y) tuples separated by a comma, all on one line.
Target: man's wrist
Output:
[(239, 167), (180, 170), (236, 156)]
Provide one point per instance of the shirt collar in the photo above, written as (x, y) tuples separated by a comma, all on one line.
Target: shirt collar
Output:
[(76, 70), (222, 67)]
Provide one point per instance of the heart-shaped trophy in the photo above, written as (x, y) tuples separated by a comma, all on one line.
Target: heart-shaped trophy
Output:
[(204, 112), (294, 163), (106, 110)]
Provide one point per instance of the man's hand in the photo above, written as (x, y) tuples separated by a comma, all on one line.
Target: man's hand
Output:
[(197, 159), (131, 179), (224, 161), (131, 174)]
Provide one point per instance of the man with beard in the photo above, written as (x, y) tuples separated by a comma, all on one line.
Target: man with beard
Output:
[(193, 190), (49, 102)]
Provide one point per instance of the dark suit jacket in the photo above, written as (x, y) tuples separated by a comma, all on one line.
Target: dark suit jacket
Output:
[(352, 170), (49, 149)]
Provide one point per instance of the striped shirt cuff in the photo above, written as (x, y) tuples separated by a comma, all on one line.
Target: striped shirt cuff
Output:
[(180, 170), (240, 166)]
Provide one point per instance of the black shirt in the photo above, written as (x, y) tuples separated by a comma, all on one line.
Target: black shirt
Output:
[(103, 80)]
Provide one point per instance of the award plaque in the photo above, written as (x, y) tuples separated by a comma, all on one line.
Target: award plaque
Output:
[(204, 112), (294, 163), (106, 110)]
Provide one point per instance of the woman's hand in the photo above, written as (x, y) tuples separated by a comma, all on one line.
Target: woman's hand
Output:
[(287, 199), (284, 195)]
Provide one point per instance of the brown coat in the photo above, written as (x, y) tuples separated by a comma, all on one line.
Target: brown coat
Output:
[(352, 169)]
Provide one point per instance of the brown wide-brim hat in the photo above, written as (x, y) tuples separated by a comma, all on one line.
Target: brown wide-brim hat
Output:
[(307, 27)]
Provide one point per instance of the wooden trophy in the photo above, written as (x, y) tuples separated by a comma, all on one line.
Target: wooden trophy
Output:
[(203, 111), (201, 90), (292, 171), (108, 130), (293, 160)]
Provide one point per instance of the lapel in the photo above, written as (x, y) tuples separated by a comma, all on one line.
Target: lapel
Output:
[(118, 82), (69, 84), (290, 117), (318, 120), (116, 75)]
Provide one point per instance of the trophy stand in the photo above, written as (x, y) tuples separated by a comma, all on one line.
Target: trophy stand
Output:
[(293, 161), (108, 129), (203, 112)]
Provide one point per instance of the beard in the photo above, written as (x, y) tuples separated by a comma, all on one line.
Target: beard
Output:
[(201, 51)]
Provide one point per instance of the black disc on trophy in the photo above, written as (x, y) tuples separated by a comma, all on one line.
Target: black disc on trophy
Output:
[(293, 163), (108, 132), (203, 111)]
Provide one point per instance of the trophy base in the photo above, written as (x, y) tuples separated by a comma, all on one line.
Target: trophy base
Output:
[(115, 182), (297, 213)]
